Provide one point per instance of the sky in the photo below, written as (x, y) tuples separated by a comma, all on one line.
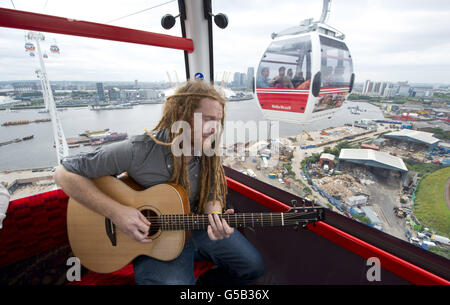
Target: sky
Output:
[(389, 40)]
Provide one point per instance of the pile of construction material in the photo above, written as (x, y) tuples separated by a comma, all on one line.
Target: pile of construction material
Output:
[(363, 175), (340, 187)]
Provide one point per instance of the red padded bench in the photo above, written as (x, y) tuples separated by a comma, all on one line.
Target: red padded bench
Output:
[(37, 224)]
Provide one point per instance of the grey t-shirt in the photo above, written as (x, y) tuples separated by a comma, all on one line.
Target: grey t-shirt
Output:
[(145, 161)]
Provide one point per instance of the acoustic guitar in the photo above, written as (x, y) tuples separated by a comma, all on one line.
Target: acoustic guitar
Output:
[(102, 248)]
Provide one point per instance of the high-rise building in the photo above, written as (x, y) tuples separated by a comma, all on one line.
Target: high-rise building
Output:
[(100, 92), (114, 94), (24, 87), (366, 86), (390, 90), (377, 87), (404, 90), (383, 87), (250, 77), (236, 79), (370, 87), (242, 80)]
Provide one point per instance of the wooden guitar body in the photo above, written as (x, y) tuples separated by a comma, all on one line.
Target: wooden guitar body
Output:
[(88, 230)]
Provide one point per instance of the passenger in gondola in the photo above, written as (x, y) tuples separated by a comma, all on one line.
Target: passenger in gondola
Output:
[(298, 79), (327, 77), (290, 74), (263, 79), (281, 80), (338, 76)]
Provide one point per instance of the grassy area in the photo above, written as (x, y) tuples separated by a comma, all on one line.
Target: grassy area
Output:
[(430, 208), (288, 167), (422, 168), (362, 218), (441, 251)]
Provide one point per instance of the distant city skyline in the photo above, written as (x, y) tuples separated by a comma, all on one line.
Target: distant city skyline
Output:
[(388, 40)]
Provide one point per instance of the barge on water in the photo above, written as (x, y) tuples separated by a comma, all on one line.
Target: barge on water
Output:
[(88, 133), (12, 123), (16, 140)]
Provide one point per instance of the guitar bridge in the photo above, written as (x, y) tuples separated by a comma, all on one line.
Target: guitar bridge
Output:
[(111, 231)]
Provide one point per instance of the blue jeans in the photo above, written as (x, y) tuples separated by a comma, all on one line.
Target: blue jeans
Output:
[(236, 255)]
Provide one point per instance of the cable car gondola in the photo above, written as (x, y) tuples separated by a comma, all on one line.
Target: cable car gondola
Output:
[(29, 46), (54, 49), (305, 74)]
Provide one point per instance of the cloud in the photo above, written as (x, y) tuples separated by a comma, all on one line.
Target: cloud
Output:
[(388, 40)]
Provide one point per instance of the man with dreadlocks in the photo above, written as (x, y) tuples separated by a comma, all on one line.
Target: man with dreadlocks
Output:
[(165, 154)]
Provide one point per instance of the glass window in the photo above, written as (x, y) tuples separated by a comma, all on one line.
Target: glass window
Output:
[(336, 63), (285, 64)]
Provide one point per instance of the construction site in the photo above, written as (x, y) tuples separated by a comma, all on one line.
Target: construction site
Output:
[(357, 170)]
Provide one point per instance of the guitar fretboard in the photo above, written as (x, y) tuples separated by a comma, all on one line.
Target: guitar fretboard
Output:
[(240, 220)]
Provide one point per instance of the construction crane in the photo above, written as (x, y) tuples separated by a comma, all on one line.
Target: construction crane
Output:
[(309, 136)]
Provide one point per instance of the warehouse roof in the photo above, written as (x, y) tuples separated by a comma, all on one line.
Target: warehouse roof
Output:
[(414, 136), (371, 215), (440, 124), (374, 158), (327, 156)]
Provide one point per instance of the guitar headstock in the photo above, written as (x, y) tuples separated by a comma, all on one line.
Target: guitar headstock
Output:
[(301, 216)]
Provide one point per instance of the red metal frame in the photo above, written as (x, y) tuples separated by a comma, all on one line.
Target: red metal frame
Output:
[(392, 263), (256, 196), (52, 24)]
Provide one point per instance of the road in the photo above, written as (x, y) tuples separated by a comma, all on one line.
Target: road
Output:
[(383, 199), (299, 155)]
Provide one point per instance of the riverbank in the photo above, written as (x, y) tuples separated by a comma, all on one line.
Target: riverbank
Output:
[(24, 183), (62, 106)]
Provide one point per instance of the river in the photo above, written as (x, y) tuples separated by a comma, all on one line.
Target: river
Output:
[(39, 151)]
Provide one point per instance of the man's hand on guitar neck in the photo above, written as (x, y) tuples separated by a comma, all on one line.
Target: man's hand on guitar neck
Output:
[(132, 222), (219, 228)]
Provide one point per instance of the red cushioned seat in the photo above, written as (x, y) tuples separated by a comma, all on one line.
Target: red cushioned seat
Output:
[(37, 224), (33, 225), (125, 276)]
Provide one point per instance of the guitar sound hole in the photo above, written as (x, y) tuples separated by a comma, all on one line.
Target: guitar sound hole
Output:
[(151, 216)]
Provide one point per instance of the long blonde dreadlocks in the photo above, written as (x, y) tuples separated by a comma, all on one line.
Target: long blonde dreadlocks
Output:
[(212, 177)]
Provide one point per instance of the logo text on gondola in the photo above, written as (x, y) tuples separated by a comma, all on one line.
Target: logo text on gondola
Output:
[(281, 107)]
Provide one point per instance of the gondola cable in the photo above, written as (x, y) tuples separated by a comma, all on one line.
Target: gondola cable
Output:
[(141, 11)]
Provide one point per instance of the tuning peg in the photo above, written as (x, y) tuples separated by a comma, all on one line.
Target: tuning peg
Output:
[(299, 226)]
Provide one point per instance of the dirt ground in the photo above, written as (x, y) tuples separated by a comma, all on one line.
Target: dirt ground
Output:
[(383, 198)]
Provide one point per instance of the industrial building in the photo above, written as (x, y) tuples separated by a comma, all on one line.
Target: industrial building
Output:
[(428, 126), (374, 159), (327, 159), (374, 220), (414, 138)]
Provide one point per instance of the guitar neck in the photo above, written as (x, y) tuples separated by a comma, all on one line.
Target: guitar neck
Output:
[(238, 220)]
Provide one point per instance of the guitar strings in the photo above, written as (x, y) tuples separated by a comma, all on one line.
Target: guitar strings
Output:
[(203, 225), (246, 217), (177, 221)]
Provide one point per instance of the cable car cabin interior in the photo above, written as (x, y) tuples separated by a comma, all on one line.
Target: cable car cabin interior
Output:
[(34, 246), (304, 77)]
